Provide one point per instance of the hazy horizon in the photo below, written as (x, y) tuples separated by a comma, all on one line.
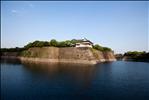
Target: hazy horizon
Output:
[(120, 25)]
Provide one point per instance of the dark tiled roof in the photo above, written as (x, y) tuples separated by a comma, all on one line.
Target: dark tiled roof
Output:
[(85, 40)]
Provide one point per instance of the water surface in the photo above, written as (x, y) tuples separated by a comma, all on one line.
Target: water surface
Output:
[(106, 81)]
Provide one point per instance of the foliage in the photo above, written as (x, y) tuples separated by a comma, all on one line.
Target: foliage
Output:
[(54, 43), (62, 44), (67, 43), (94, 53), (106, 49), (74, 41), (138, 56), (17, 49), (25, 53), (37, 44), (134, 53), (100, 48)]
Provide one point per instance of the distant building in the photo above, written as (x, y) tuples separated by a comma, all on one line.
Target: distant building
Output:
[(84, 43)]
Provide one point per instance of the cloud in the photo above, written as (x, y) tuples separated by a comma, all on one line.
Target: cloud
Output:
[(14, 11), (31, 5)]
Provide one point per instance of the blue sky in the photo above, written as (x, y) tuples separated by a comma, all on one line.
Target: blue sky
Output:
[(120, 25)]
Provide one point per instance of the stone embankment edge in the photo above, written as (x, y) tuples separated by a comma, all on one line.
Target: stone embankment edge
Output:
[(46, 60)]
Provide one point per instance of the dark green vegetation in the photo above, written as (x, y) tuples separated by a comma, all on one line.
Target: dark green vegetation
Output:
[(100, 48), (17, 49), (134, 53), (67, 43), (119, 56), (12, 51), (133, 56), (137, 56), (52, 43)]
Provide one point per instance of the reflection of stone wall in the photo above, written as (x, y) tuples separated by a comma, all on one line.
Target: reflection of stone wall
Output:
[(9, 53), (78, 74)]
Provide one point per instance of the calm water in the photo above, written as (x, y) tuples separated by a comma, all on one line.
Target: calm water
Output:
[(107, 81)]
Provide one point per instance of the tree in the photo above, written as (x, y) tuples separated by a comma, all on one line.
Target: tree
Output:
[(67, 43), (53, 42), (46, 43), (106, 49), (61, 44), (98, 47), (29, 45)]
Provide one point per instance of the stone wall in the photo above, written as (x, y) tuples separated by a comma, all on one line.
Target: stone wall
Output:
[(67, 54), (76, 53), (44, 52)]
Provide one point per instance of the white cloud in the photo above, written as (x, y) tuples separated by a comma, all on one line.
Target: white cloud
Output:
[(31, 5), (14, 11)]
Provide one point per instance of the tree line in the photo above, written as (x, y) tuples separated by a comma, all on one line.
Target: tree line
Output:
[(67, 43), (17, 49), (52, 43), (137, 55)]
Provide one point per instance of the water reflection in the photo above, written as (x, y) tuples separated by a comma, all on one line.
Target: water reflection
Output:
[(77, 74), (57, 81), (13, 61)]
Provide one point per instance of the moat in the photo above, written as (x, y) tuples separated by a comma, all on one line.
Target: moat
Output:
[(119, 80)]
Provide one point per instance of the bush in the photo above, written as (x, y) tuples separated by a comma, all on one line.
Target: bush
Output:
[(100, 48), (134, 53), (66, 43), (54, 43), (106, 49), (138, 56), (25, 53), (37, 44), (17, 49)]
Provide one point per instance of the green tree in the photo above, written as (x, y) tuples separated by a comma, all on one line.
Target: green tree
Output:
[(53, 42), (29, 45), (46, 43), (67, 43), (106, 49), (98, 47), (61, 44)]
